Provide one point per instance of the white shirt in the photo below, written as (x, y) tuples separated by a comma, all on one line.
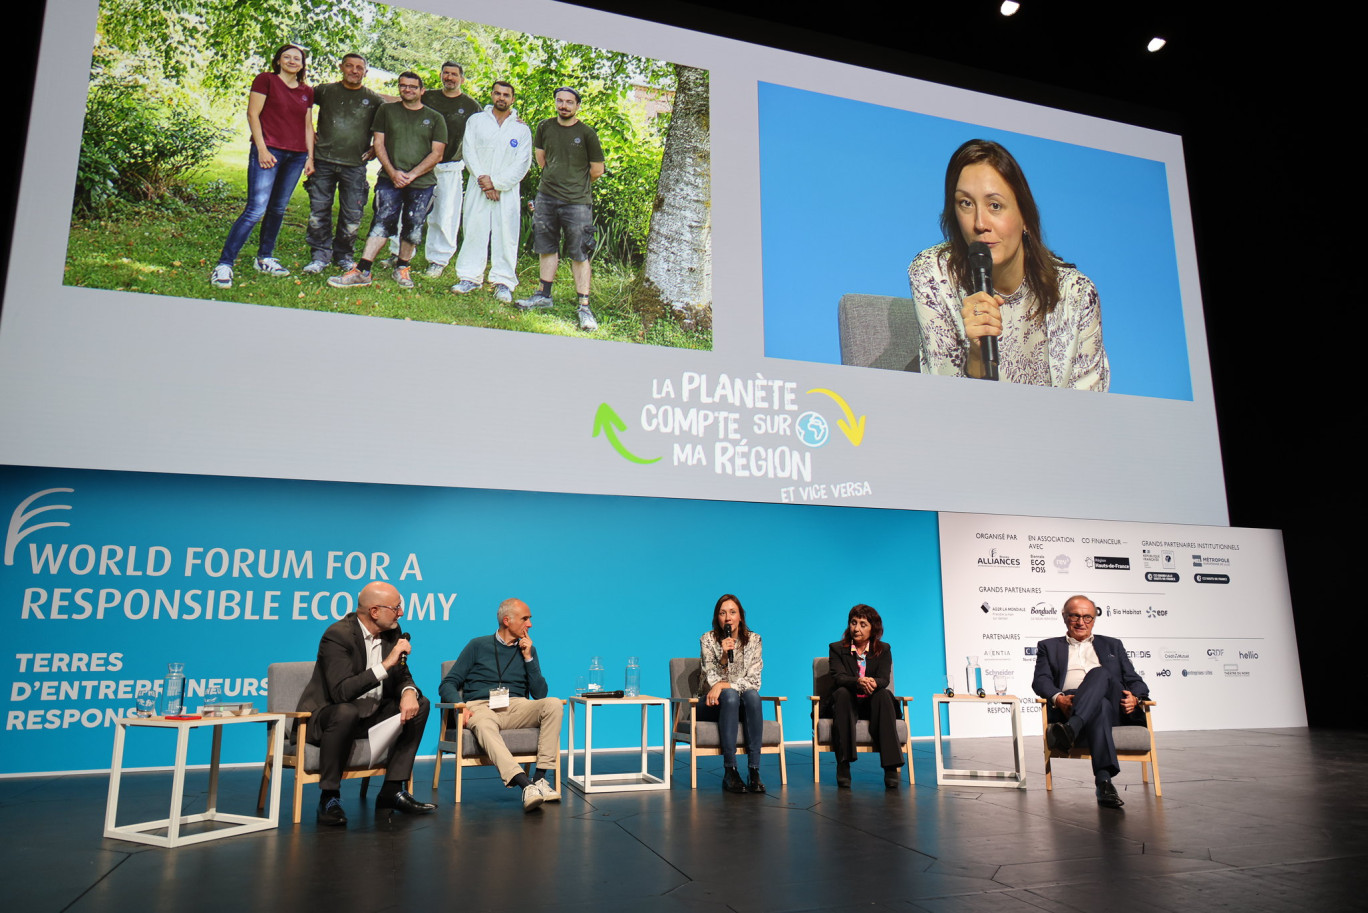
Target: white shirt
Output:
[(1082, 660)]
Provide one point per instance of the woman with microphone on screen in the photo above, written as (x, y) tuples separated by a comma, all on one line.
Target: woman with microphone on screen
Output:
[(278, 113), (861, 667), (730, 689), (993, 278)]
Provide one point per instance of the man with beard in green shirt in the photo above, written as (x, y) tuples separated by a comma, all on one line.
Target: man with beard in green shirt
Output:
[(568, 152)]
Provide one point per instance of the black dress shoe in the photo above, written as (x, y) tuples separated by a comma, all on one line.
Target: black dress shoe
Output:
[(891, 777), (843, 774), (1060, 737), (403, 801), (330, 813), (731, 781), (1107, 796), (754, 785)]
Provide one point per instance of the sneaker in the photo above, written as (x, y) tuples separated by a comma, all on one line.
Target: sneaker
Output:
[(314, 267), (350, 278), (532, 798), (503, 294), (222, 276), (435, 270), (538, 301), (271, 267), (346, 264), (401, 276), (543, 786), (586, 319), (465, 287)]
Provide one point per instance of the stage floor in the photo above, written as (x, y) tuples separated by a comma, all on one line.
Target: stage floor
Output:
[(1251, 820)]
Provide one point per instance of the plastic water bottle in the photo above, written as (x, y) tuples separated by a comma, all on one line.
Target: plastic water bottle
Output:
[(596, 674), (632, 686), (173, 691)]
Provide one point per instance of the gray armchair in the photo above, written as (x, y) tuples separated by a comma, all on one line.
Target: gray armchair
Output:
[(879, 331), (822, 734), (702, 737)]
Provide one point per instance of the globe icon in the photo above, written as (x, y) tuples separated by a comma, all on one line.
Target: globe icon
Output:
[(813, 429)]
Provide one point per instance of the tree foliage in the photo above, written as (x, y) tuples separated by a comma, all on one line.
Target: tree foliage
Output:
[(219, 42)]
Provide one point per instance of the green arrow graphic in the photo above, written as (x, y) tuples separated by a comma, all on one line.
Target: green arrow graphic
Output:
[(607, 421)]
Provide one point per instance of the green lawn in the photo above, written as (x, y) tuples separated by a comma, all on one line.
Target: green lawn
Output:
[(170, 250)]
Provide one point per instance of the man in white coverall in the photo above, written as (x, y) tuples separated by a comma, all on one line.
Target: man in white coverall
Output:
[(497, 152)]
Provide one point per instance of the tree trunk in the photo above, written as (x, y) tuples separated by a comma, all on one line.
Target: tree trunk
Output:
[(677, 278)]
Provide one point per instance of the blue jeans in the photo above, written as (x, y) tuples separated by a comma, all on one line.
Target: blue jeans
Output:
[(727, 713), (268, 193)]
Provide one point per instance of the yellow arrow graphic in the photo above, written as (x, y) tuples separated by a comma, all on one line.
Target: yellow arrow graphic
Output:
[(853, 427)]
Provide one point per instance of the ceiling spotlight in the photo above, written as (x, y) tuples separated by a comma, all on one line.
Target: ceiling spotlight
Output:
[(1155, 43), (1009, 7)]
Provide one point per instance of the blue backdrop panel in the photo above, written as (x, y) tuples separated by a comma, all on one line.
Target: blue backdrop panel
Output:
[(230, 574), (846, 208)]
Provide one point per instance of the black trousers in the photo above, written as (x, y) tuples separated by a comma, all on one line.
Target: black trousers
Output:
[(881, 711), (339, 725)]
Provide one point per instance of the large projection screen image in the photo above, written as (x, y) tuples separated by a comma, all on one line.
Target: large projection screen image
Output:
[(116, 364), (861, 201), (172, 135)]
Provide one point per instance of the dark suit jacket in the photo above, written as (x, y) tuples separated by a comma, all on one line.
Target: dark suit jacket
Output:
[(1052, 665), (845, 670), (342, 673)]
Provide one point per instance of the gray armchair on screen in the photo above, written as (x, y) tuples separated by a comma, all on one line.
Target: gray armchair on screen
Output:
[(879, 331)]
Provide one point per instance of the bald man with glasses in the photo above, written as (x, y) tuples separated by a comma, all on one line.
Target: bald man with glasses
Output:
[(1091, 686), (361, 679)]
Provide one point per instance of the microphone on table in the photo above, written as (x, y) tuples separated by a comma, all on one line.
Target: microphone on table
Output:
[(731, 655), (981, 280)]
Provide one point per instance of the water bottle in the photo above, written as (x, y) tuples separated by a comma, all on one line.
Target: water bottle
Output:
[(173, 691), (595, 674), (632, 686), (973, 675)]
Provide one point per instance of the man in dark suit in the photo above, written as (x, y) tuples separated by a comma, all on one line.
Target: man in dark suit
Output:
[(1090, 684), (362, 678)]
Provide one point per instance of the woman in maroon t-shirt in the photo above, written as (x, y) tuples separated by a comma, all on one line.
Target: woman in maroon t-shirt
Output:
[(279, 110)]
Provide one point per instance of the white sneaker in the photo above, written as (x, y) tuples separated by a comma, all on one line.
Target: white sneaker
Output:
[(543, 786), (503, 294), (435, 270), (271, 267), (532, 798), (586, 319), (314, 267), (222, 276)]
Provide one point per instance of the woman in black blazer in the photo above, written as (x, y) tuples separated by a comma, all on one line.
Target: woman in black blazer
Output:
[(861, 670)]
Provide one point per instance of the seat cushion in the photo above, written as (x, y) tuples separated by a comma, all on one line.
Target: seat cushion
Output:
[(862, 736), (1131, 738), (709, 737), (358, 757), (519, 741)]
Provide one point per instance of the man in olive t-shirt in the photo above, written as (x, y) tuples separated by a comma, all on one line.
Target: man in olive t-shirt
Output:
[(410, 139), (341, 150), (568, 152), (444, 222)]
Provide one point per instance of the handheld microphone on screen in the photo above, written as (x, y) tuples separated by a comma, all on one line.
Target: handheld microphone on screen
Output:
[(403, 660), (981, 280), (730, 653)]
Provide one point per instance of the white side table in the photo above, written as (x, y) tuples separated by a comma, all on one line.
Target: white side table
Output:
[(241, 824), (1015, 779), (635, 781)]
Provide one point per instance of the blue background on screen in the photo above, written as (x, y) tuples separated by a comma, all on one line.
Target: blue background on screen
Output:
[(850, 192)]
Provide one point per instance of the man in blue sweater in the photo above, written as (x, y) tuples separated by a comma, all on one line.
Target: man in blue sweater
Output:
[(499, 677)]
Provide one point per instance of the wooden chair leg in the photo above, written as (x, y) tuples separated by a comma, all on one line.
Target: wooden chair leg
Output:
[(298, 791), (437, 771), (1154, 762), (783, 765)]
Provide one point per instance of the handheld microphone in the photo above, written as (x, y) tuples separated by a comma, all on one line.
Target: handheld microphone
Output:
[(981, 280), (403, 660), (731, 655)]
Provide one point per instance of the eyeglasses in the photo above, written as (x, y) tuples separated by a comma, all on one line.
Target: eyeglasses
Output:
[(404, 85), (1086, 619), (396, 609)]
